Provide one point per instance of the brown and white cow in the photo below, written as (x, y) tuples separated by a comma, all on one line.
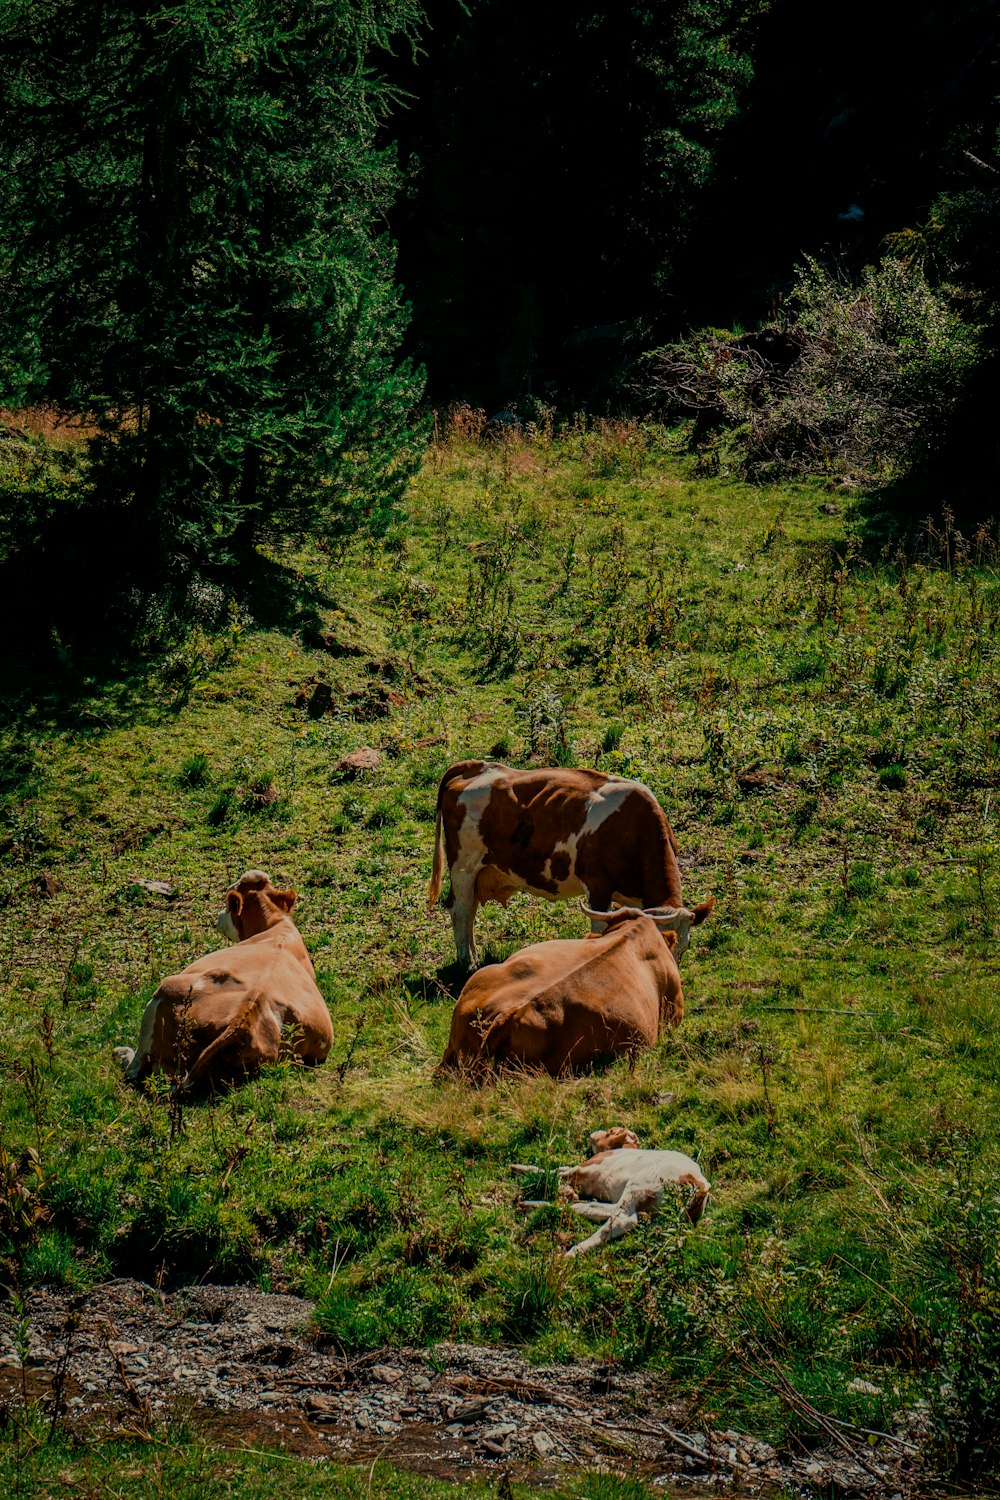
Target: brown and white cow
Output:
[(623, 1181), (227, 1014), (556, 833), (555, 1007)]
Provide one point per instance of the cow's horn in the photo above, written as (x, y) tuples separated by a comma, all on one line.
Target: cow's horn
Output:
[(599, 916), (667, 913)]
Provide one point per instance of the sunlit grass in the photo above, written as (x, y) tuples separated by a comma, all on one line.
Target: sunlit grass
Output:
[(821, 728)]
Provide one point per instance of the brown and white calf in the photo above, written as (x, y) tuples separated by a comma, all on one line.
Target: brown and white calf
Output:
[(553, 832), (230, 1012), (621, 1181)]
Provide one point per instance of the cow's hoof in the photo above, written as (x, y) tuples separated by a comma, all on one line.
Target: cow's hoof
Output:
[(124, 1057)]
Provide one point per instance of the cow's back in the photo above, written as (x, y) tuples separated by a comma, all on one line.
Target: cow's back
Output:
[(565, 1003), (560, 832), (265, 981)]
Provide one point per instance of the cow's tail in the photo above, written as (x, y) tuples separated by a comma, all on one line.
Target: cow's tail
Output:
[(437, 869), (209, 1056)]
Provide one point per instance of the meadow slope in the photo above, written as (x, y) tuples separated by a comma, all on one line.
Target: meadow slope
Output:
[(818, 714)]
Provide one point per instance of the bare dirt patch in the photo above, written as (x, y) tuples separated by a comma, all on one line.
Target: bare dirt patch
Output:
[(241, 1367)]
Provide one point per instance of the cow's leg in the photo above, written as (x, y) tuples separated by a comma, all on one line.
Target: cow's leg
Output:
[(135, 1062), (463, 916), (596, 1211), (625, 1219)]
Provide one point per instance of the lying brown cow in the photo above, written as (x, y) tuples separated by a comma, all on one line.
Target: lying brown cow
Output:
[(558, 1006), (226, 1014), (622, 1181), (556, 833)]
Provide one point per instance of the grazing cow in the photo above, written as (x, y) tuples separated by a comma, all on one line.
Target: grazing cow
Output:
[(225, 1015), (556, 833), (622, 1181), (558, 1006)]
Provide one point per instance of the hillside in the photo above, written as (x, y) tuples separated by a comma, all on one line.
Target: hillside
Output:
[(819, 715)]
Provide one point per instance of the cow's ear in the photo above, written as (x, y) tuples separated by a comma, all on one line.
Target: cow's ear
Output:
[(285, 899), (670, 938), (234, 902), (704, 910)]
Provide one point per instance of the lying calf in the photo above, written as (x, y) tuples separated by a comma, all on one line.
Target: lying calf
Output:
[(226, 1014), (626, 1182)]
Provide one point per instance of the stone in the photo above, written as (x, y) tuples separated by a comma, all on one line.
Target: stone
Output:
[(470, 1411), (320, 1407), (542, 1444), (387, 1374), (499, 1432), (359, 761), (157, 888)]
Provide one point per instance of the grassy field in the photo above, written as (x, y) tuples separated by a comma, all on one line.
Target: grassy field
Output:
[(175, 1463), (816, 703)]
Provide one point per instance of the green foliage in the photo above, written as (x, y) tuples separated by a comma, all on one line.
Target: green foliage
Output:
[(193, 257), (855, 378), (842, 1035)]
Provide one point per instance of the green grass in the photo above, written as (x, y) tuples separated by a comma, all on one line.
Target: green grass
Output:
[(34, 1465), (821, 724)]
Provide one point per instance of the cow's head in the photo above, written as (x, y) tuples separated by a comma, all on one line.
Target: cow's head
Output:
[(618, 1138), (669, 919), (253, 905)]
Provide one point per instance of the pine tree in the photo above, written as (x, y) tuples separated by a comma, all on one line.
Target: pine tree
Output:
[(193, 255)]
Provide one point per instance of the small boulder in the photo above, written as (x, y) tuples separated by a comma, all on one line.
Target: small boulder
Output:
[(359, 761), (157, 888)]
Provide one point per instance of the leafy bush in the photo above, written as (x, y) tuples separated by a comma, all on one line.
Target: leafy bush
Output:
[(852, 378)]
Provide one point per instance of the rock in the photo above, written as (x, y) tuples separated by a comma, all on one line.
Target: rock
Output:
[(384, 1426), (470, 1411), (542, 1444), (830, 510), (665, 1100), (359, 761), (420, 1383), (864, 1387), (387, 1374), (157, 888), (322, 1408), (499, 1432), (45, 886)]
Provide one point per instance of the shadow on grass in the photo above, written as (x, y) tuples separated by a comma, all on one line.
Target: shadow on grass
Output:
[(90, 669), (896, 516), (441, 987)]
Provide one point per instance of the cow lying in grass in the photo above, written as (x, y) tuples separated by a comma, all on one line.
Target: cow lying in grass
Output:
[(621, 1181), (230, 1012), (558, 1006)]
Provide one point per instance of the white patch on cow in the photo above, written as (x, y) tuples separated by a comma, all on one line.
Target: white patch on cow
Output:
[(607, 799), (601, 803), (473, 800), (227, 927)]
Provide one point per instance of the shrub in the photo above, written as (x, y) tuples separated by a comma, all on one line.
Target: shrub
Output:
[(855, 377)]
